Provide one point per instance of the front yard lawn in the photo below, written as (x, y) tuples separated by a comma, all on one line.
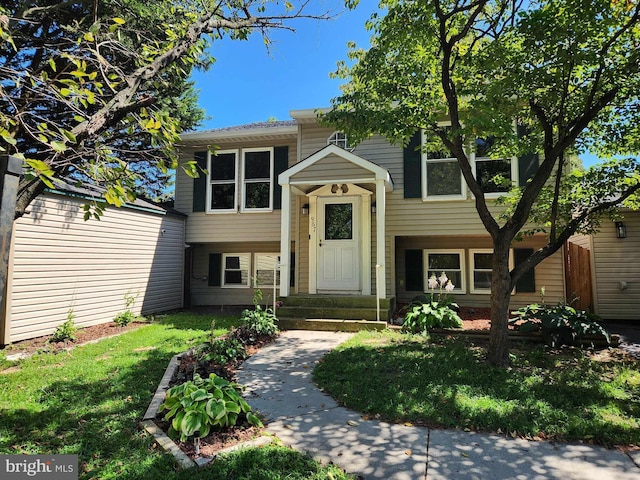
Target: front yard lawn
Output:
[(564, 395), (88, 402)]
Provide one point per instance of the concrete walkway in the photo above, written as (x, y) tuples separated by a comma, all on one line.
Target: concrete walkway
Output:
[(279, 386)]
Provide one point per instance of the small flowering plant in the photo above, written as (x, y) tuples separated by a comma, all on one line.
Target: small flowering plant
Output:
[(437, 311)]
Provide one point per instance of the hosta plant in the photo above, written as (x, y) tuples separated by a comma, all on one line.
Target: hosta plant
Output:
[(436, 311), (559, 324), (260, 321), (197, 407)]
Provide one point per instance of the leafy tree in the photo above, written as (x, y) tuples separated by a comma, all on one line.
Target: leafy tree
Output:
[(567, 71), (99, 91)]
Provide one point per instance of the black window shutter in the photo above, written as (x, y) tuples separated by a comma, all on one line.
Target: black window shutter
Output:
[(280, 164), (215, 269), (527, 164), (527, 282), (414, 272), (200, 183), (292, 270), (413, 167)]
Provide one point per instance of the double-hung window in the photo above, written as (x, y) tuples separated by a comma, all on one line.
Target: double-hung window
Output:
[(481, 270), (451, 262), (266, 271), (223, 176), (495, 175), (442, 178), (235, 270), (257, 183)]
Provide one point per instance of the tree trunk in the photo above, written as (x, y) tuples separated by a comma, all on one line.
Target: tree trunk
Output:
[(498, 352)]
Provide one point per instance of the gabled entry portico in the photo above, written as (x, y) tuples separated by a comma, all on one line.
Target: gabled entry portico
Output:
[(340, 189)]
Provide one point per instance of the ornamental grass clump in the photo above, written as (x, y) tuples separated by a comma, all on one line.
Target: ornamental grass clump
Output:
[(437, 311)]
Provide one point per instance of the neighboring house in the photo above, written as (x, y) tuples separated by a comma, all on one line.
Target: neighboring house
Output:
[(61, 263), (345, 221), (612, 274)]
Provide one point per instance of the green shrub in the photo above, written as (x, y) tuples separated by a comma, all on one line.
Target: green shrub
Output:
[(259, 321), (196, 407), (65, 331), (122, 319), (222, 351), (436, 311), (559, 324)]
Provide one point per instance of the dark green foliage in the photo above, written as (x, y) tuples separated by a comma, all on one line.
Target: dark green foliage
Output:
[(559, 324), (122, 319), (423, 316), (198, 406), (222, 351), (259, 322)]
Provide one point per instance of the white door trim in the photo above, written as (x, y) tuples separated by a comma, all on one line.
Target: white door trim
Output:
[(364, 235)]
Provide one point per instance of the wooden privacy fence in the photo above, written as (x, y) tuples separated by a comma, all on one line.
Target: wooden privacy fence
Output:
[(578, 276)]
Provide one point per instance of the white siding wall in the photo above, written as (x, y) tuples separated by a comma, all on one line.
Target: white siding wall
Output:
[(60, 262), (617, 260)]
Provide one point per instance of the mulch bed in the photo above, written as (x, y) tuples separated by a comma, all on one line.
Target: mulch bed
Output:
[(83, 335), (219, 440)]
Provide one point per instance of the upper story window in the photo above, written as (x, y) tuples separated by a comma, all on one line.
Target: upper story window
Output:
[(223, 175), (495, 175), (257, 175), (339, 139), (442, 178)]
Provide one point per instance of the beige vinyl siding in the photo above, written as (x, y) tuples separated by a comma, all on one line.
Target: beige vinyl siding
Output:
[(60, 262), (548, 274), (203, 294), (617, 260), (331, 167), (205, 227), (583, 241), (313, 138)]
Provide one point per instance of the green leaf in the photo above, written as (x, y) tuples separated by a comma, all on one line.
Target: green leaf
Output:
[(52, 64), (118, 20), (57, 146), (190, 424)]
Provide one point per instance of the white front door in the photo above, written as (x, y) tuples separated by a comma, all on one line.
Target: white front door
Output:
[(338, 244)]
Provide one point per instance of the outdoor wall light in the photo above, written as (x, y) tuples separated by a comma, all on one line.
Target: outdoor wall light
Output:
[(305, 209), (621, 230)]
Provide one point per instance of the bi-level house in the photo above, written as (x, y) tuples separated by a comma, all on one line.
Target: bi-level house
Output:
[(336, 225)]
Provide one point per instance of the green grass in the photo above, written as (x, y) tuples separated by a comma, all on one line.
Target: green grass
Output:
[(562, 395), (89, 402)]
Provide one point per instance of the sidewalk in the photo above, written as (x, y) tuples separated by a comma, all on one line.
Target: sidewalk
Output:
[(279, 386)]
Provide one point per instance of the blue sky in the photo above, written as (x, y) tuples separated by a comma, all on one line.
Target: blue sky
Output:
[(248, 84)]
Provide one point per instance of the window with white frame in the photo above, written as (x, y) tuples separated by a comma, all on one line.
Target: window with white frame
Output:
[(495, 175), (266, 271), (339, 139), (451, 262), (257, 175), (223, 176), (481, 269), (442, 178), (235, 270)]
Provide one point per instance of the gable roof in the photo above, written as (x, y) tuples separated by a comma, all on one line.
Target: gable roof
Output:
[(262, 130), (377, 172)]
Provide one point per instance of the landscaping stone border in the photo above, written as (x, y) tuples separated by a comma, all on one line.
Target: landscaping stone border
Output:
[(150, 426)]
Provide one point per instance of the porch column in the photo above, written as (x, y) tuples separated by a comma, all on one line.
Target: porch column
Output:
[(285, 239), (381, 207)]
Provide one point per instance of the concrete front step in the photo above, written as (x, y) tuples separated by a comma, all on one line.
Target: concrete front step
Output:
[(340, 301), (328, 325), (338, 313)]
